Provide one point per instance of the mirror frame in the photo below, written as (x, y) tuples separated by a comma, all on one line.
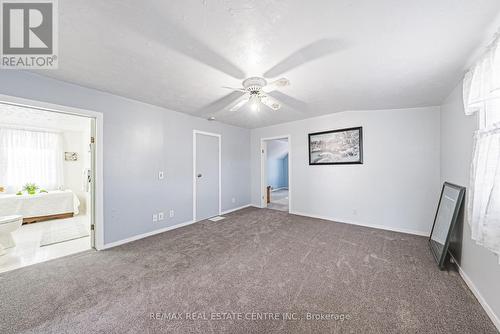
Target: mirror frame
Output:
[(440, 259)]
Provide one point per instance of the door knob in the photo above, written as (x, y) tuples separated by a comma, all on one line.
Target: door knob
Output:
[(199, 175)]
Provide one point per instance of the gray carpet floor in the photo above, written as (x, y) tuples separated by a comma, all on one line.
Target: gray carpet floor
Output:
[(300, 275)]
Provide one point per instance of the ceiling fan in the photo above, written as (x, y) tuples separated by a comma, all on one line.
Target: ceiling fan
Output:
[(254, 89), (257, 92)]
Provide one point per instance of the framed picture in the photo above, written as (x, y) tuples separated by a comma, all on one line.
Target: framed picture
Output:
[(450, 202), (70, 156), (336, 147)]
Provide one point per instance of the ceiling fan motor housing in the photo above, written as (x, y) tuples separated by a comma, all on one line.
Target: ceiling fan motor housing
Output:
[(254, 84)]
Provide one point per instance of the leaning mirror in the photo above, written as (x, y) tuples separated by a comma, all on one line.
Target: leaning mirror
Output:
[(446, 217)]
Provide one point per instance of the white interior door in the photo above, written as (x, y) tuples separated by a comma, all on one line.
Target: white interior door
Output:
[(207, 176)]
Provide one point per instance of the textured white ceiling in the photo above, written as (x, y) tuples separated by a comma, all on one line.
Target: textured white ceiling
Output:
[(21, 117), (338, 54)]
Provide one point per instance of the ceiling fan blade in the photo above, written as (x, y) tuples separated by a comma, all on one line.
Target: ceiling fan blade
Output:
[(281, 82), (289, 101), (313, 51), (270, 102), (235, 89), (239, 104), (222, 103), (156, 27)]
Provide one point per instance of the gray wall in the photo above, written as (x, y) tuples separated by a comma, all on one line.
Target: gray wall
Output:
[(457, 129), (396, 188), (139, 141)]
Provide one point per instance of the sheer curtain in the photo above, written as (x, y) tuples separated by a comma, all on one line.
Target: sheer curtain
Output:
[(482, 96), (30, 157)]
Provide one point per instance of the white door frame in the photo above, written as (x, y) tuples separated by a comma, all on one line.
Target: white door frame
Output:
[(263, 168), (219, 137), (98, 219)]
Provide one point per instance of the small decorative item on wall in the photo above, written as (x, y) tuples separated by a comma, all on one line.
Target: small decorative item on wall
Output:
[(70, 156), (336, 147), (447, 213)]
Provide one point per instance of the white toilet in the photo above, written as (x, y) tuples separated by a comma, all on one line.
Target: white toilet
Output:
[(8, 224)]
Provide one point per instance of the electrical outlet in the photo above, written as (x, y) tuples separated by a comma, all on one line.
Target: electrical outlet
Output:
[(171, 213), (161, 175), (161, 216), (155, 218), (233, 200)]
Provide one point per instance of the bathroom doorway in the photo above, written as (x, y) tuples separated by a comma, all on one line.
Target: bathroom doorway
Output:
[(47, 185)]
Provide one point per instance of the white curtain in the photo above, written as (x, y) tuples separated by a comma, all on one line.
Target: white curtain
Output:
[(482, 96), (30, 157)]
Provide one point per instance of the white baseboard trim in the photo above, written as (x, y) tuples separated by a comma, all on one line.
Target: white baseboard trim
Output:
[(494, 318), (161, 230), (380, 227), (145, 235), (235, 209)]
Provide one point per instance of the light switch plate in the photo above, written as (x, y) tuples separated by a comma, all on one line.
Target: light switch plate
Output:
[(161, 216)]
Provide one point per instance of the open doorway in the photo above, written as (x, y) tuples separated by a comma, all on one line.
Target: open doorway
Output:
[(275, 173), (46, 185)]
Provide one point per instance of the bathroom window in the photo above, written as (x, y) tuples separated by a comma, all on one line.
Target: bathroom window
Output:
[(28, 156)]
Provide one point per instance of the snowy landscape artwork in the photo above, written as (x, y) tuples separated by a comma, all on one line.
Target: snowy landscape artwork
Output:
[(343, 146)]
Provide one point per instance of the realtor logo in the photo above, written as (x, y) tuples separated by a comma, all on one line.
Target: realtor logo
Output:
[(29, 34)]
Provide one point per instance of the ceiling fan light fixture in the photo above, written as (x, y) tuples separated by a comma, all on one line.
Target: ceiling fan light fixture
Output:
[(254, 95), (255, 102), (282, 82)]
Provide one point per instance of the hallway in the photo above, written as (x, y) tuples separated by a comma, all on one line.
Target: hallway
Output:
[(279, 200)]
